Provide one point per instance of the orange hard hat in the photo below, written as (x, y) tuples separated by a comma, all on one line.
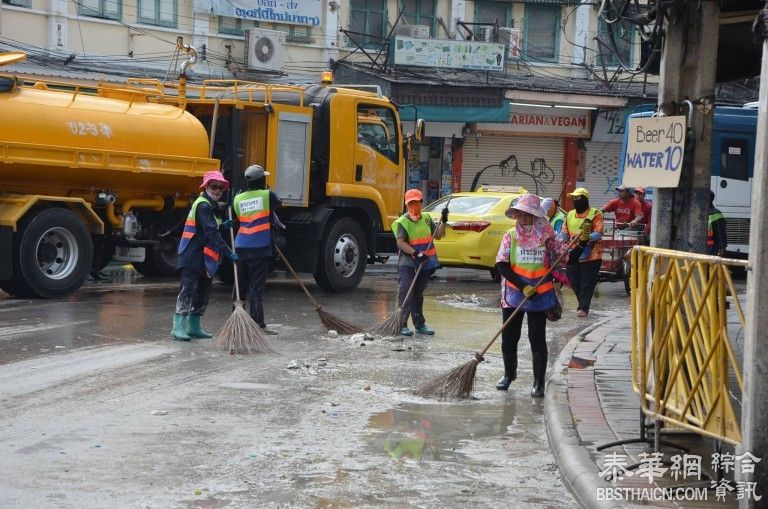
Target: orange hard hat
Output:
[(413, 195), (640, 190)]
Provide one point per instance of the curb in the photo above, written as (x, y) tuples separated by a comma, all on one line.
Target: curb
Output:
[(578, 469)]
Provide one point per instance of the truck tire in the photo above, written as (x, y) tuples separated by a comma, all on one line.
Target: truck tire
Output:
[(343, 255), (159, 261), (52, 254)]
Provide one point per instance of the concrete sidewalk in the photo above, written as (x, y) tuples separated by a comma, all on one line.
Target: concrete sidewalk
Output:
[(590, 402)]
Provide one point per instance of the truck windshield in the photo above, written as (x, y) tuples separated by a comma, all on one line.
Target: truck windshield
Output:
[(377, 129)]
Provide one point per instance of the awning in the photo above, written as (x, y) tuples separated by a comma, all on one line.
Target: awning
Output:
[(457, 113)]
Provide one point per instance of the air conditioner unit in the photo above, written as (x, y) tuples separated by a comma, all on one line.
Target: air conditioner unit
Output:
[(264, 49), (415, 31), (484, 34), (510, 37)]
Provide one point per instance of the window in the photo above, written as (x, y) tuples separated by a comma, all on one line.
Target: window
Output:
[(231, 26), (105, 9), (419, 12), (367, 17), (18, 3), (541, 32), (158, 12), (622, 34), (376, 128), (488, 12), (734, 159), (300, 33)]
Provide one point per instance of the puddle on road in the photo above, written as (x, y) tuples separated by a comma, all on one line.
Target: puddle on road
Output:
[(470, 301), (439, 432)]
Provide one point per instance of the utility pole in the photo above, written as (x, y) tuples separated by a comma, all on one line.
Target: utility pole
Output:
[(754, 416), (688, 64)]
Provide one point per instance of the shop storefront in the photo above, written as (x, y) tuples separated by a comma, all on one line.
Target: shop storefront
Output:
[(531, 145), (601, 155)]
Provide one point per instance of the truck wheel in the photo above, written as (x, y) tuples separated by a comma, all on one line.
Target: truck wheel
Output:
[(160, 261), (343, 255), (52, 254)]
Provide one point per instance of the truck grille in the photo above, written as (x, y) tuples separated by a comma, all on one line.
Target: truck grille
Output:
[(737, 230)]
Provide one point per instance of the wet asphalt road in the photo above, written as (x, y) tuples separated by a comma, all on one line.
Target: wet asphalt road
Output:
[(102, 409)]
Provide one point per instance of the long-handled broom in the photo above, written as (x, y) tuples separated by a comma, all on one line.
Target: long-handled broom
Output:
[(240, 334), (329, 320), (459, 382), (391, 326)]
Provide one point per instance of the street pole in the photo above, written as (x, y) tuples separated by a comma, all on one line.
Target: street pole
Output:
[(754, 417), (688, 66)]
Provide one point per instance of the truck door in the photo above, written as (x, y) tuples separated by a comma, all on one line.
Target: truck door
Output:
[(378, 156), (732, 170)]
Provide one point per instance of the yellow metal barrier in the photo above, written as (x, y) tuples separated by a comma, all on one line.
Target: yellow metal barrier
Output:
[(682, 357)]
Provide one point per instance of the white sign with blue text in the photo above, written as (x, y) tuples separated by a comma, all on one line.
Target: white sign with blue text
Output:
[(655, 149), (288, 12)]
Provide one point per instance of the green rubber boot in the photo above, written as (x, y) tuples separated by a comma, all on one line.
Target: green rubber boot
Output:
[(194, 330), (179, 331)]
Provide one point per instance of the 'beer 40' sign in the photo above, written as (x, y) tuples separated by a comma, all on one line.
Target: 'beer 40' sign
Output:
[(655, 148)]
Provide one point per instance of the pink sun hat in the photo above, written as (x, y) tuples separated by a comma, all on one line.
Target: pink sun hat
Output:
[(528, 203), (214, 176)]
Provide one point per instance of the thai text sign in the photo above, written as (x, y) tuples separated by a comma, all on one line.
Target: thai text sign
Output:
[(448, 53), (655, 148), (289, 12)]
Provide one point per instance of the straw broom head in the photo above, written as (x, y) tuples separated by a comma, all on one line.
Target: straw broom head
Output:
[(240, 334), (454, 384), (333, 322), (390, 326)]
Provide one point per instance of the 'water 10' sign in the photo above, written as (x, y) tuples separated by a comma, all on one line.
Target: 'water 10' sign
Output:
[(655, 148)]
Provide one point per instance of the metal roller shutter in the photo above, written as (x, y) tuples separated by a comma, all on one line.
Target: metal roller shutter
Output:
[(545, 153), (602, 171)]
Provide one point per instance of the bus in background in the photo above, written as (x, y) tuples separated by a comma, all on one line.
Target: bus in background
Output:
[(732, 164)]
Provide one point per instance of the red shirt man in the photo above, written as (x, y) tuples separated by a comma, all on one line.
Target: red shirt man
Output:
[(646, 206), (626, 208)]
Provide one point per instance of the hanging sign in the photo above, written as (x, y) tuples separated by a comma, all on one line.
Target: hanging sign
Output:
[(287, 12), (448, 54), (655, 148)]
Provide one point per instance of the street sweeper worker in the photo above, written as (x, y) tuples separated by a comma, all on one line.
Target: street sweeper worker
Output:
[(584, 260), (200, 251), (525, 255), (414, 232), (253, 243)]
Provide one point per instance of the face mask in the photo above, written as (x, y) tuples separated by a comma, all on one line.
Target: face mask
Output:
[(580, 204), (414, 209)]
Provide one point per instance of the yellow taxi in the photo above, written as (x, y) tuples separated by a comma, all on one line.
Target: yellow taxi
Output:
[(476, 224)]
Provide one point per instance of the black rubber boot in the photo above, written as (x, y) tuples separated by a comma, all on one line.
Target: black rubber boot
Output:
[(509, 355), (539, 371), (503, 383)]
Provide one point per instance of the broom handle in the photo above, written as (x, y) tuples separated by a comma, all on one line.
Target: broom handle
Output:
[(525, 299), (418, 269), (296, 276), (234, 263)]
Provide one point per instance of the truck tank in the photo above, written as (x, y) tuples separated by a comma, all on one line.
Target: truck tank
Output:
[(82, 175), (62, 141)]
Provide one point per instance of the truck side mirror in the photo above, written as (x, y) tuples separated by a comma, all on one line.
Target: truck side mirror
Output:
[(420, 127)]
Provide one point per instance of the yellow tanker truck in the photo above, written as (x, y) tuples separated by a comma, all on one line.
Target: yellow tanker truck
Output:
[(88, 174)]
